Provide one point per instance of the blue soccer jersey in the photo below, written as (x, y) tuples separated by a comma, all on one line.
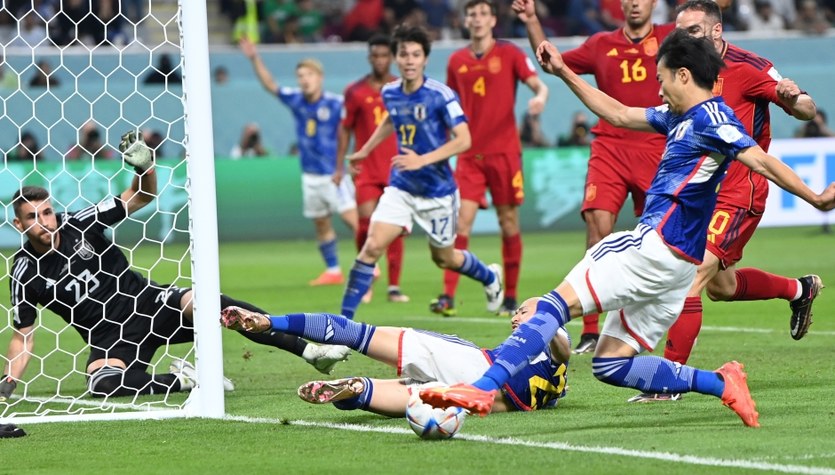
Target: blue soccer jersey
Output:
[(316, 128), (537, 385), (700, 145), (422, 121)]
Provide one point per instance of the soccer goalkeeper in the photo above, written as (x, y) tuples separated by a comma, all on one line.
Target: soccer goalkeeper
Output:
[(69, 266), (420, 357)]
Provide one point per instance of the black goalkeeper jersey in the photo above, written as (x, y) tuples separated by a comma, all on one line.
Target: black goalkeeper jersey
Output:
[(87, 280)]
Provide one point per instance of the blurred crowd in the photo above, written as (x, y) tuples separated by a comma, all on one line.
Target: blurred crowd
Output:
[(305, 21)]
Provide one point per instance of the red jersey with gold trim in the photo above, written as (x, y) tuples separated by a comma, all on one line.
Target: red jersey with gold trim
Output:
[(624, 70), (362, 113), (748, 84), (487, 88)]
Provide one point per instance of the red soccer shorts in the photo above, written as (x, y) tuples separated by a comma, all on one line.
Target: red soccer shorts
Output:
[(501, 173), (729, 231), (618, 168), (368, 191)]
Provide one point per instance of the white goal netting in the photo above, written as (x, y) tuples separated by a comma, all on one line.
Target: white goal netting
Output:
[(75, 76)]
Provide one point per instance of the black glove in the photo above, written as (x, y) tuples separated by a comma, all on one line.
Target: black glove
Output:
[(7, 387)]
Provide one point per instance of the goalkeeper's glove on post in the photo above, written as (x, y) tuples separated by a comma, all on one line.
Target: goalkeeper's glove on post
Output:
[(135, 152), (7, 387)]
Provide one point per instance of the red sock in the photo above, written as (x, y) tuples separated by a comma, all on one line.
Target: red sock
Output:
[(362, 232), (755, 284), (512, 260), (590, 323), (682, 335), (394, 257), (451, 277)]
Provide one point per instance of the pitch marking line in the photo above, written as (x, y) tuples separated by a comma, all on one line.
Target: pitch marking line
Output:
[(503, 321), (644, 454)]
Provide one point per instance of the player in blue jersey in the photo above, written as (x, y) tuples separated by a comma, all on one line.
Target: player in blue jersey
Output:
[(422, 112), (317, 116), (643, 276), (419, 356)]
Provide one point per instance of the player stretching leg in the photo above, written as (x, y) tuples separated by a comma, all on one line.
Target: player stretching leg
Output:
[(703, 136), (421, 113), (362, 113), (747, 83), (485, 75), (622, 162), (419, 356)]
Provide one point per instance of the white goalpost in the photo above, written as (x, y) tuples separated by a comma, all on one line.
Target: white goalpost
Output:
[(172, 240)]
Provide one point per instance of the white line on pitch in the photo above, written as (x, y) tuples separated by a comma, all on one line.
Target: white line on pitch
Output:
[(643, 454), (709, 328)]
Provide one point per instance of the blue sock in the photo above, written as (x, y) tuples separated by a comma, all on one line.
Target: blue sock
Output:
[(475, 269), (359, 280), (326, 328), (527, 342), (653, 374), (328, 250), (360, 401)]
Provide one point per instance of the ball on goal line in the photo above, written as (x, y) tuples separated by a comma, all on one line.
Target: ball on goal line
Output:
[(433, 423)]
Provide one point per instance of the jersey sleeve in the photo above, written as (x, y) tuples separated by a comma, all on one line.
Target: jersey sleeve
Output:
[(523, 67), (763, 85), (23, 297), (659, 118), (288, 95), (581, 59), (728, 138), (349, 110), (453, 113)]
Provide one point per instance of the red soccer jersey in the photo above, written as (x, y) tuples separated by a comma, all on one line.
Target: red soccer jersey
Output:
[(362, 112), (624, 70), (747, 83), (487, 89)]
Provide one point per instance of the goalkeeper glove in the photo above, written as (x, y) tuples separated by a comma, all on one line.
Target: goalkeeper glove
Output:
[(7, 387), (135, 152)]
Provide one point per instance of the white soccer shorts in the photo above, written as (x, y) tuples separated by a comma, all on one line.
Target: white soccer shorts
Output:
[(321, 197), (437, 216), (427, 356), (637, 278)]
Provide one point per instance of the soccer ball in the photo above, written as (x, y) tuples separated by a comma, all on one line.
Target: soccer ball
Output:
[(432, 423)]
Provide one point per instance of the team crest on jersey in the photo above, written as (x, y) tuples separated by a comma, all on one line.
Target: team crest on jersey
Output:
[(682, 128), (323, 113), (84, 250), (651, 46), (717, 86), (494, 65), (420, 112)]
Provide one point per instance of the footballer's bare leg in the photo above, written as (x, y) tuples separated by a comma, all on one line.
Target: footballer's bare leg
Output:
[(445, 303), (599, 224)]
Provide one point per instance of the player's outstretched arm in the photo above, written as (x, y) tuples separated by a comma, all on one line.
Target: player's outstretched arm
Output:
[(801, 105), (770, 167), (598, 101), (381, 133), (17, 357), (267, 80), (143, 187), (526, 13)]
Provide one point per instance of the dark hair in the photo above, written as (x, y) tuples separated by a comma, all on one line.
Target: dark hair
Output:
[(28, 194), (697, 55), (379, 39), (489, 3), (410, 34), (709, 7)]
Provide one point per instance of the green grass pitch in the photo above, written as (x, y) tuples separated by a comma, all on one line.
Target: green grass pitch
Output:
[(593, 430)]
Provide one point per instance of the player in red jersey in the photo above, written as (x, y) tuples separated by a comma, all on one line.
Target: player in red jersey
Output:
[(485, 75), (748, 83), (622, 161), (361, 114)]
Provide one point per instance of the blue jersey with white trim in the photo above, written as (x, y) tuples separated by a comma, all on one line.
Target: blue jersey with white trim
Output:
[(700, 145), (317, 124), (538, 385), (422, 121)]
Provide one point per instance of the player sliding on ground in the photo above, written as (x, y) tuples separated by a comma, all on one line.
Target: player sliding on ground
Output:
[(644, 275), (420, 357)]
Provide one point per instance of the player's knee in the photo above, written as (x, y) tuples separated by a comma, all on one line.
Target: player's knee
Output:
[(718, 292), (371, 250), (106, 381), (443, 261)]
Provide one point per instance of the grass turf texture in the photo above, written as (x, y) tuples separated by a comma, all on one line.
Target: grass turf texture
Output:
[(593, 430)]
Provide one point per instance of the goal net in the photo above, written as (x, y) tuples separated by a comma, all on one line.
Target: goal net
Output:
[(74, 77)]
